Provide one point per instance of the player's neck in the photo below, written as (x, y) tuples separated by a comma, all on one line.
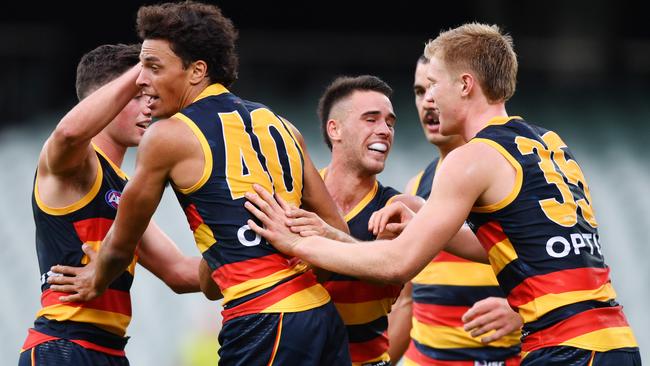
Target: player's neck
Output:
[(444, 150), (193, 92), (347, 187), (478, 117), (113, 151)]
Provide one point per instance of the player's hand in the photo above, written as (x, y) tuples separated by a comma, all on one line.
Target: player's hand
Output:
[(78, 281), (307, 223), (392, 218), (272, 212), (491, 314)]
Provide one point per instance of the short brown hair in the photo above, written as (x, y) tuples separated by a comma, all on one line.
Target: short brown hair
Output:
[(341, 88), (103, 64), (485, 51), (195, 31)]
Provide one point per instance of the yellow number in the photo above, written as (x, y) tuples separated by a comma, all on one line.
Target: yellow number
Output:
[(556, 169), (266, 155)]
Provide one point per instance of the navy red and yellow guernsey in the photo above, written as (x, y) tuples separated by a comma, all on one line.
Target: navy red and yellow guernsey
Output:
[(245, 143), (543, 244), (442, 292), (363, 305), (99, 324)]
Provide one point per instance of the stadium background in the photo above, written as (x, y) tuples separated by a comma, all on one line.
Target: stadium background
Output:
[(584, 71)]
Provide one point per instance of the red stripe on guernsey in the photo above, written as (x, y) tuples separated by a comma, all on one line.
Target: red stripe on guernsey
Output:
[(34, 338), (558, 282), (489, 234), (449, 316), (577, 325), (193, 217), (363, 351), (232, 274), (363, 291), (115, 301), (94, 229), (448, 257), (262, 302), (95, 347)]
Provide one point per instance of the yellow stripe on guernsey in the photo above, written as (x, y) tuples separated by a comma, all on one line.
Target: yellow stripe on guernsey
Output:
[(364, 201), (116, 168), (112, 322), (447, 273), (300, 301), (416, 184), (204, 237), (443, 337), (95, 246), (501, 254), (362, 204), (207, 154), (254, 285), (363, 312), (60, 211), (604, 340), (534, 309), (519, 175)]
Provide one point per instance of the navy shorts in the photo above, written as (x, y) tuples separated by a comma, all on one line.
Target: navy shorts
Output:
[(311, 337), (62, 352), (562, 355)]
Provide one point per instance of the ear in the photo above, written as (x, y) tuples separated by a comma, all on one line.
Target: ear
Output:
[(334, 130), (198, 71), (467, 84)]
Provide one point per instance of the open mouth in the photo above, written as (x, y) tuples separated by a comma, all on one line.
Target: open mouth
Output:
[(143, 125), (378, 147), (431, 118)]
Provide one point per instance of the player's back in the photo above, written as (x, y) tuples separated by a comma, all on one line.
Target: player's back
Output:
[(245, 143), (543, 244)]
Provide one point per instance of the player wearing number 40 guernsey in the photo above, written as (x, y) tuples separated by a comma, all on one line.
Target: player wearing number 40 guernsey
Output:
[(524, 196), (213, 146), (358, 122)]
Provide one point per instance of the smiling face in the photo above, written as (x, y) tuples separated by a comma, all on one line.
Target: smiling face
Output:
[(163, 79), (364, 130)]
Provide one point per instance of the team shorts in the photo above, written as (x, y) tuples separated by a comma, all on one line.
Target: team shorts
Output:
[(312, 337), (62, 352)]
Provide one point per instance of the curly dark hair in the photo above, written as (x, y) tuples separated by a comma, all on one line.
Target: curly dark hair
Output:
[(103, 64), (195, 31), (341, 88)]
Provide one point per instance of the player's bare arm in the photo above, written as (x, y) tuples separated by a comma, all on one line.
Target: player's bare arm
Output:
[(315, 197), (158, 254), (461, 182), (67, 165), (399, 323), (208, 285), (163, 147)]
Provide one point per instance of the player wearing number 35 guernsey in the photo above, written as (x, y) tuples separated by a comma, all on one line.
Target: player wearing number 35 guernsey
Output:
[(213, 146), (525, 197)]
